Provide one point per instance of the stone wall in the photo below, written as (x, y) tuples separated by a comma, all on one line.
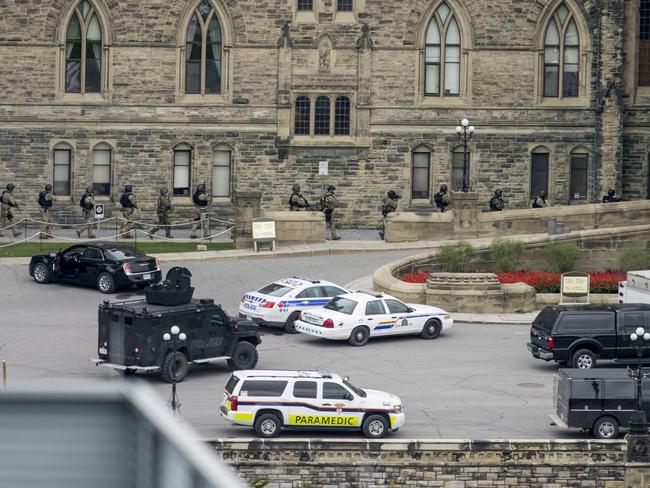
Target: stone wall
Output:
[(298, 227), (142, 112), (423, 226), (290, 463)]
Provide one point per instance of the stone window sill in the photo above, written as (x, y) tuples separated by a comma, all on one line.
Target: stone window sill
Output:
[(322, 140), (443, 102), (345, 18), (580, 102), (93, 98), (103, 198), (221, 200), (182, 201), (219, 99), (305, 17)]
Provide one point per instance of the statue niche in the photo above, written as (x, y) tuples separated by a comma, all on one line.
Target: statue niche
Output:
[(324, 55)]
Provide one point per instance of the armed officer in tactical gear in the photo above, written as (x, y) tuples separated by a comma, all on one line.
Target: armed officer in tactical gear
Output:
[(163, 209), (45, 201), (329, 203), (611, 197), (7, 204), (441, 199), (496, 202), (200, 199), (297, 202), (388, 205), (87, 204), (540, 201), (129, 211)]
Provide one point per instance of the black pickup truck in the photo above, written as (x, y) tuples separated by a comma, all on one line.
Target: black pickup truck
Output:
[(601, 401), (581, 335)]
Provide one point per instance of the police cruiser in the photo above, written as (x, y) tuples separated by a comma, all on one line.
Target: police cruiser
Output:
[(357, 316), (270, 401), (279, 304)]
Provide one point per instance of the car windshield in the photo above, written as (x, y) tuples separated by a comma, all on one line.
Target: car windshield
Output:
[(343, 305), (232, 382), (358, 391), (123, 253), (275, 290)]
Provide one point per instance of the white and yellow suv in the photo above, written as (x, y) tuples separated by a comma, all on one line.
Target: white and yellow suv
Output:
[(270, 401)]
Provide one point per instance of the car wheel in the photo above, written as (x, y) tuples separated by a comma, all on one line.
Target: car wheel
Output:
[(289, 325), (42, 274), (106, 283), (431, 329), (174, 367), (268, 425), (243, 357), (605, 428), (359, 336), (583, 359), (375, 426)]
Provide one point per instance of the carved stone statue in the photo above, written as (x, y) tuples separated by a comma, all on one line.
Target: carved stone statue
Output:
[(324, 56)]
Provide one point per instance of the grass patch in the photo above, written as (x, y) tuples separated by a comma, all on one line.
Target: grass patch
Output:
[(29, 249)]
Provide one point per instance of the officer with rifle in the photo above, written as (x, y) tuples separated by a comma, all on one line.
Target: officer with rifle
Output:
[(200, 200), (7, 204), (45, 200), (129, 211), (297, 202), (389, 205), (163, 209), (329, 203), (87, 204)]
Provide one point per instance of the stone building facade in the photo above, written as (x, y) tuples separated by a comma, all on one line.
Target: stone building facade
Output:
[(248, 95)]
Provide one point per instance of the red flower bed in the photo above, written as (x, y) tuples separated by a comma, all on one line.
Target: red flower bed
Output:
[(605, 282)]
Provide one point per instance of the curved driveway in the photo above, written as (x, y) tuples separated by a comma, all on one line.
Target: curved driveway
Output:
[(474, 382)]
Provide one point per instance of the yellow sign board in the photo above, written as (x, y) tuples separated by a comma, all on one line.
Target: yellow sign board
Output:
[(576, 284), (327, 420)]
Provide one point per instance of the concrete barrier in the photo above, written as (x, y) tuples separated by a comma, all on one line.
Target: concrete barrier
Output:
[(298, 227)]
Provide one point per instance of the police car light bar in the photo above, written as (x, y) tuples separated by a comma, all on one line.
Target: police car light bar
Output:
[(371, 293), (305, 279)]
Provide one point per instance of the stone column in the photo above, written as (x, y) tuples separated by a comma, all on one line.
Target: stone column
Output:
[(465, 208), (608, 160), (285, 46), (364, 70), (247, 208)]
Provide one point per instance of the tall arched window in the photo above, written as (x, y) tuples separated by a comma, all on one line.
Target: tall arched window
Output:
[(302, 121), (442, 54), (322, 114), (539, 171), (342, 116), (203, 51), (644, 43), (579, 174), (83, 52), (562, 55)]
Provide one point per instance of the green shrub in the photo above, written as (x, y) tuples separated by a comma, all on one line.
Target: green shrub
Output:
[(634, 260), (561, 258), (507, 255), (453, 259)]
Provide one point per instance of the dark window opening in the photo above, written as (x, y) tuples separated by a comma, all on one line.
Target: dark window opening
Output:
[(342, 117), (579, 171), (302, 116), (457, 164), (344, 5), (421, 175), (305, 5), (644, 43), (539, 174), (322, 122)]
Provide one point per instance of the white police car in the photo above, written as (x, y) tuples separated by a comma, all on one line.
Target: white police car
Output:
[(356, 317), (279, 304), (272, 400)]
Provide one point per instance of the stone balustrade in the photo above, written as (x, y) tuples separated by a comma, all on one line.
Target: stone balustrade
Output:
[(423, 226)]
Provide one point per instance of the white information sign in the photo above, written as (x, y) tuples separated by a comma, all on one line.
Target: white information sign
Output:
[(99, 211), (263, 230), (323, 168)]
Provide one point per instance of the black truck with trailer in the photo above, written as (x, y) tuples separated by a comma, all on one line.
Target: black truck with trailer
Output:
[(601, 401)]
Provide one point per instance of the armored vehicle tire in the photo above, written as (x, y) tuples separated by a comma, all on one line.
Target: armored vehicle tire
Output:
[(431, 329), (174, 367), (243, 357), (583, 359), (42, 274), (289, 325), (359, 336), (375, 426), (106, 283), (268, 425), (605, 428)]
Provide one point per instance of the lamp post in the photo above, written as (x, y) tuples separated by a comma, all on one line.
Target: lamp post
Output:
[(176, 338), (465, 133), (638, 438)]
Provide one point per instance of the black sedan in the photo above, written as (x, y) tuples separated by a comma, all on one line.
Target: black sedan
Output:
[(102, 264)]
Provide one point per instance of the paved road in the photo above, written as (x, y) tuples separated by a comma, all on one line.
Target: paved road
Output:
[(474, 382)]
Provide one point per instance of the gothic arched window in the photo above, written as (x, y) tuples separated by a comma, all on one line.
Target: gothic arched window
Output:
[(442, 57), (203, 51), (562, 55), (83, 51)]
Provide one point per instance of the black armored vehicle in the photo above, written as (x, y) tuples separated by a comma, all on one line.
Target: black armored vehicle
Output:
[(601, 401), (169, 330)]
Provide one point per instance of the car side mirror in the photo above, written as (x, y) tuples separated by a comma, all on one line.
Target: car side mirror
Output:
[(411, 310), (349, 397)]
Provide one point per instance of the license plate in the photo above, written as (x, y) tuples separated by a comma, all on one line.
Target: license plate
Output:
[(146, 277), (103, 350)]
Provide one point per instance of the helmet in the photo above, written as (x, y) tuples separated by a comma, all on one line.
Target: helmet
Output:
[(296, 187), (89, 189), (497, 192), (542, 193), (392, 194), (128, 189), (48, 187), (331, 188), (443, 188), (201, 187), (164, 191), (10, 187), (611, 192)]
